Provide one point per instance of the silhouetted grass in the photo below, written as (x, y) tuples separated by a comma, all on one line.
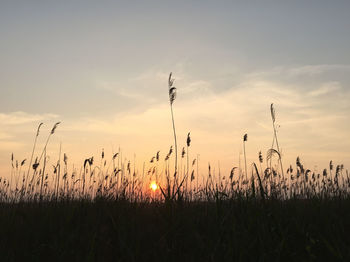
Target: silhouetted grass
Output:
[(106, 212), (233, 230)]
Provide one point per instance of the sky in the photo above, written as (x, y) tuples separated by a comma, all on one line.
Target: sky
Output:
[(101, 69)]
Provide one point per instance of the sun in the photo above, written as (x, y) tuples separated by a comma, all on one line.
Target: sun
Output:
[(153, 186)]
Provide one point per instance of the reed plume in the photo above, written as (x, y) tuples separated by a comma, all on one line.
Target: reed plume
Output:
[(48, 138), (273, 117), (172, 97), (245, 139), (31, 157)]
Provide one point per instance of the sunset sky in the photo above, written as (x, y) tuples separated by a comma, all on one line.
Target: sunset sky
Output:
[(101, 68)]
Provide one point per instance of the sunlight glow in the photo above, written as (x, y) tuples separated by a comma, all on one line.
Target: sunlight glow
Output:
[(153, 186)]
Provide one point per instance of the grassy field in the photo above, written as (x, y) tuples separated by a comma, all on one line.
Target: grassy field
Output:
[(231, 230), (101, 215)]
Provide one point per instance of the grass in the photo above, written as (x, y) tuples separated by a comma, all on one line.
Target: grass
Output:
[(107, 212), (239, 230)]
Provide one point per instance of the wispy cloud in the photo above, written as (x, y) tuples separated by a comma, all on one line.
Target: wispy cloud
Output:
[(18, 118), (11, 146), (312, 70), (298, 71), (4, 136), (218, 120), (15, 130), (326, 88), (147, 89)]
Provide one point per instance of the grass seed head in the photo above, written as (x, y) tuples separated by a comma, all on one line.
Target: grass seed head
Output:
[(273, 115), (54, 128), (188, 139), (38, 130), (245, 137)]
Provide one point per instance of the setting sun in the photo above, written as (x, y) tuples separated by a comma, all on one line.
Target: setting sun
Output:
[(153, 186)]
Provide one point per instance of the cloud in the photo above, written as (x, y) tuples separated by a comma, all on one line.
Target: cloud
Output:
[(4, 136), (223, 117), (15, 130), (197, 88), (18, 118), (241, 104), (311, 121), (10, 146), (312, 70), (283, 85), (298, 71), (138, 93), (325, 89)]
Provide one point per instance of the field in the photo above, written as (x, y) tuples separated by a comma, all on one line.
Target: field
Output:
[(231, 230), (96, 215)]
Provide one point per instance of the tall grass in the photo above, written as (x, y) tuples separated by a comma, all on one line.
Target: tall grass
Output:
[(95, 179), (172, 97)]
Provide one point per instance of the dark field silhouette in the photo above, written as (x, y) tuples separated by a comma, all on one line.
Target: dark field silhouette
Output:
[(244, 229)]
